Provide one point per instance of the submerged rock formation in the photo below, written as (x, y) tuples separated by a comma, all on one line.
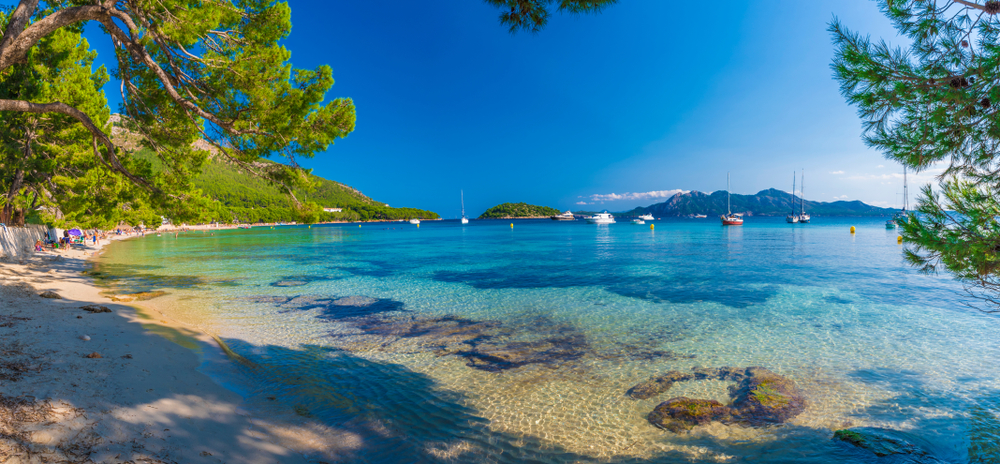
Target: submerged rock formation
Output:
[(887, 443), (759, 398), (681, 414)]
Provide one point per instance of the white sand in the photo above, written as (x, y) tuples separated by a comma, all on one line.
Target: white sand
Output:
[(142, 401)]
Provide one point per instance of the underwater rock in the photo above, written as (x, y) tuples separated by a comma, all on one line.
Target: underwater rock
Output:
[(764, 397), (550, 351), (886, 442), (760, 398), (681, 414), (657, 385), (50, 294)]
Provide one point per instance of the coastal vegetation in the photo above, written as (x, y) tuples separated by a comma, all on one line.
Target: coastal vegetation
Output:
[(931, 104), (238, 196), (518, 210), (770, 202)]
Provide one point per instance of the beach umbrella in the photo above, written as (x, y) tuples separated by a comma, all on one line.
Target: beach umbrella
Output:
[(75, 232)]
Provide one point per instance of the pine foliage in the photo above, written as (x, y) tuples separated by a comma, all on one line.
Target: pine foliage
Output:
[(934, 103)]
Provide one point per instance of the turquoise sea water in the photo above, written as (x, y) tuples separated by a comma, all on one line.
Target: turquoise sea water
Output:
[(372, 332)]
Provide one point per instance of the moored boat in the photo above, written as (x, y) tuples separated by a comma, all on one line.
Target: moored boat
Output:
[(638, 221), (803, 217), (700, 216), (792, 218), (567, 216), (601, 218), (465, 220), (730, 219), (414, 221), (646, 217)]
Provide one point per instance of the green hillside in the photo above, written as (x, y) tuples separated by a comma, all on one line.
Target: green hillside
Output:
[(518, 210), (242, 197), (246, 198)]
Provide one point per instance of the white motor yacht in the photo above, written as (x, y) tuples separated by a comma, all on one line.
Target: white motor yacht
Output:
[(646, 217), (638, 221), (414, 221), (567, 216), (601, 218)]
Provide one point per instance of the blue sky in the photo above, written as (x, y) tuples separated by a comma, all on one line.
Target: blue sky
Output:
[(648, 96)]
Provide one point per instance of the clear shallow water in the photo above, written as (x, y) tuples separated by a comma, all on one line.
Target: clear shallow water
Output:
[(362, 330)]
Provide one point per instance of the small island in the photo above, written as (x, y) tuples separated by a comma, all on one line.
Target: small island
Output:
[(518, 211)]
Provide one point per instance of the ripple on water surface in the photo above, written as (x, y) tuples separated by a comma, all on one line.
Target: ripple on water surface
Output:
[(481, 343)]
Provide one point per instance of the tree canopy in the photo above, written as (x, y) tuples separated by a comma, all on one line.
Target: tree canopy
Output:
[(934, 103), (189, 69), (533, 15)]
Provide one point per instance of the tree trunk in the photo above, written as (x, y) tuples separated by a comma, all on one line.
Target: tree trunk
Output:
[(8, 207)]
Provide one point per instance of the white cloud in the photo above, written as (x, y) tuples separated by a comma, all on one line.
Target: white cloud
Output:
[(636, 195), (883, 204), (581, 203), (836, 172), (842, 197), (880, 166)]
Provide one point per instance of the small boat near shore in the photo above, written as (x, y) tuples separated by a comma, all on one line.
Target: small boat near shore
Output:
[(601, 218), (700, 216), (414, 221), (638, 221), (567, 216), (646, 217)]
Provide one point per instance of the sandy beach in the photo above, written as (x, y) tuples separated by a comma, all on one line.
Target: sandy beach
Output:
[(98, 385)]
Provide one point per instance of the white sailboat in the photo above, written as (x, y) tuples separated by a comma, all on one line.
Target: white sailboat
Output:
[(792, 218), (803, 217), (903, 215), (465, 220)]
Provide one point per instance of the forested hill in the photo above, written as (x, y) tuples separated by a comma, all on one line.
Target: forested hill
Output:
[(247, 198), (518, 210), (770, 202)]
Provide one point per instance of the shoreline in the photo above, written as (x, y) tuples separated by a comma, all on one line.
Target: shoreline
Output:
[(116, 386)]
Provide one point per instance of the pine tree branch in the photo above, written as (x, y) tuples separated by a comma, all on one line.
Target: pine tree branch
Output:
[(96, 132)]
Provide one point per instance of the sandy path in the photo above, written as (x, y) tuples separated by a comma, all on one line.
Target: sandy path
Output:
[(142, 400)]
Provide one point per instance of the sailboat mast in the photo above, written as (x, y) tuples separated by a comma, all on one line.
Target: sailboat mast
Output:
[(791, 198), (729, 208), (802, 195), (462, 192), (905, 193)]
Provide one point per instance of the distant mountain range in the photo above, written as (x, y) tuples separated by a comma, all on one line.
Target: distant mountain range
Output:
[(770, 202)]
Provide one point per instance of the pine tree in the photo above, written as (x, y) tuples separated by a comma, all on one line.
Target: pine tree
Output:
[(934, 103)]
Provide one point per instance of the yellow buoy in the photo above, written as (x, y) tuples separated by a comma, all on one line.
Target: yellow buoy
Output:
[(899, 239), (359, 226), (650, 227), (418, 226), (310, 227), (852, 229), (512, 225)]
